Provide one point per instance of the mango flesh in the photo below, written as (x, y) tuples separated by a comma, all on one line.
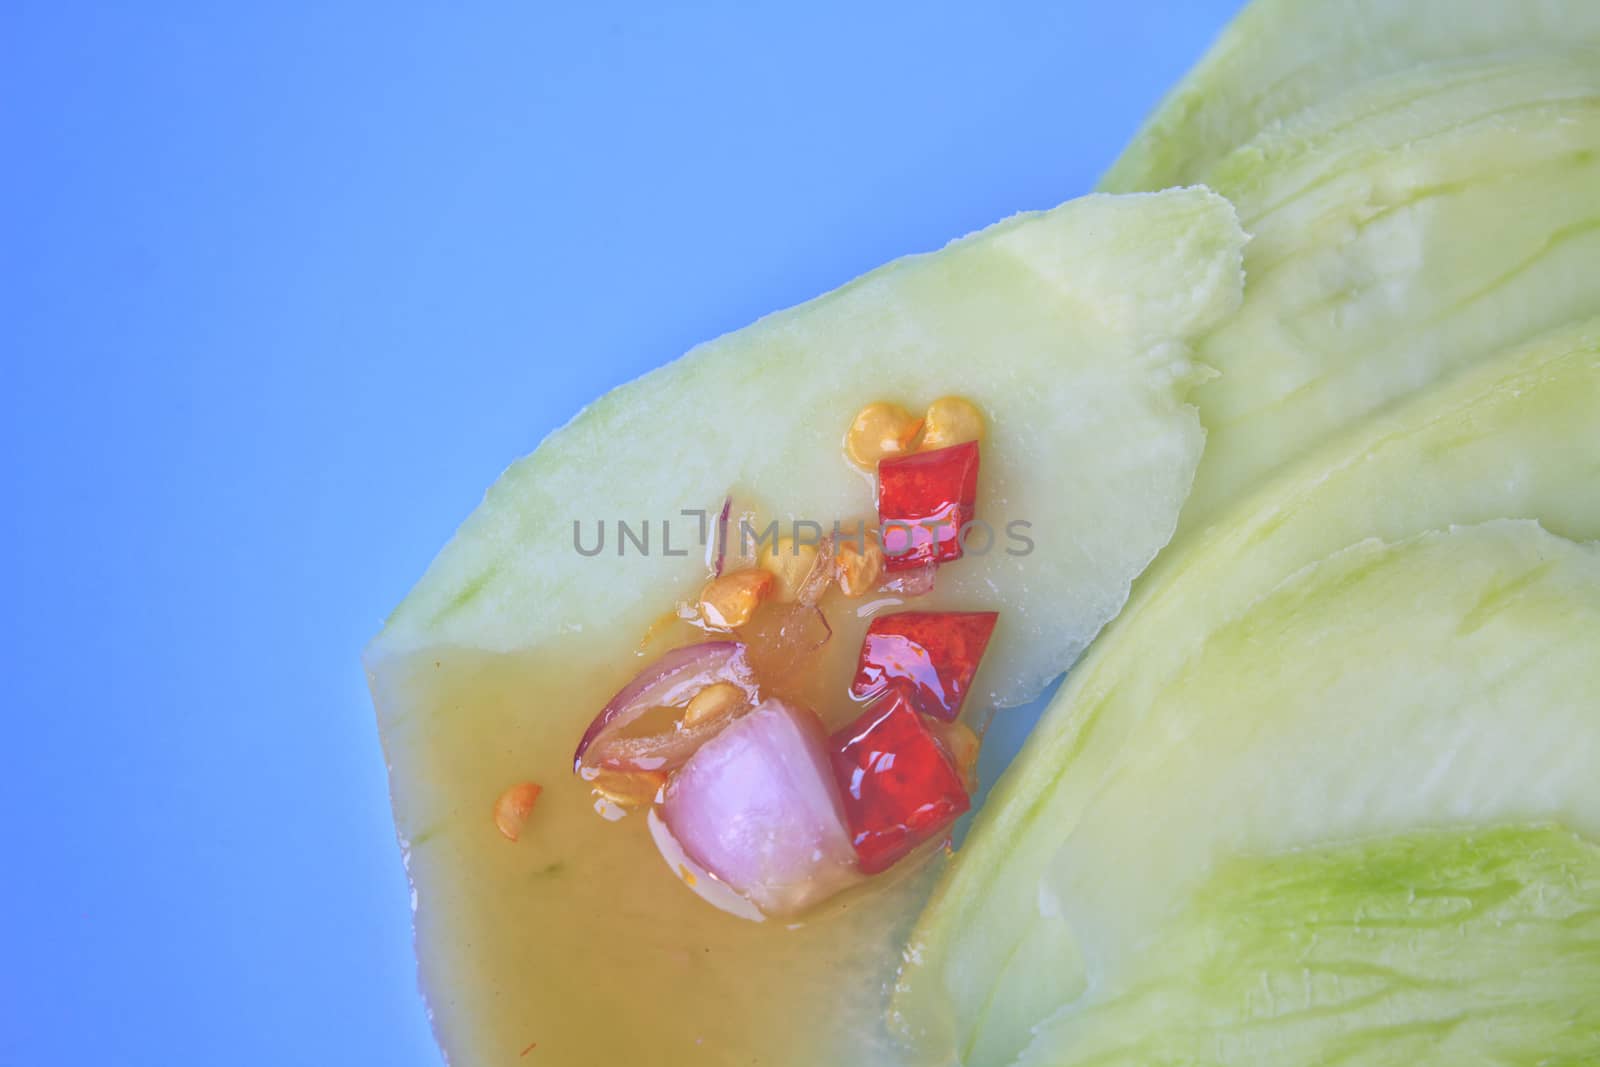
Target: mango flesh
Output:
[(1499, 962), (1400, 233), (1280, 57), (1070, 329), (1520, 436), (1420, 183)]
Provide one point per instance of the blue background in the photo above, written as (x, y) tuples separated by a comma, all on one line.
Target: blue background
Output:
[(281, 291)]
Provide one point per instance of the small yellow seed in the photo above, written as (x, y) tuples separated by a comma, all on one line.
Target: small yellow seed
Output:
[(950, 421), (713, 702), (790, 562), (858, 569), (880, 431), (729, 601), (628, 789), (512, 808)]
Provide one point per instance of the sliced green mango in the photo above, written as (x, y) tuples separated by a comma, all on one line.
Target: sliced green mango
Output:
[(1279, 57), (1400, 232), (1440, 947), (1070, 328), (994, 955)]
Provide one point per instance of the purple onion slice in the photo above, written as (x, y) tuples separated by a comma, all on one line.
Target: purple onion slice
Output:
[(668, 682), (759, 809)]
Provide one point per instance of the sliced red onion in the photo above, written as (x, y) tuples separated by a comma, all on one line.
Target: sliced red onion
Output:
[(669, 681), (758, 808), (696, 877), (663, 752)]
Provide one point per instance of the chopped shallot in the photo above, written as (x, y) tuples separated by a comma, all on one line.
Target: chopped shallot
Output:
[(671, 681), (758, 808)]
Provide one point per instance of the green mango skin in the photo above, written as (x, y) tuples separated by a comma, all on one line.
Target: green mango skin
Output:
[(1279, 57), (1442, 947), (1519, 436)]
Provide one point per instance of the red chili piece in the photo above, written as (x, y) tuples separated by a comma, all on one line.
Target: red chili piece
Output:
[(924, 500), (932, 654), (900, 788)]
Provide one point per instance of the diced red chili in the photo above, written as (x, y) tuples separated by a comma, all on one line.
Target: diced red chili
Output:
[(924, 501), (932, 654), (900, 787)]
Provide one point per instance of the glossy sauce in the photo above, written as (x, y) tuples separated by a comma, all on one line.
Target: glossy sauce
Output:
[(577, 944)]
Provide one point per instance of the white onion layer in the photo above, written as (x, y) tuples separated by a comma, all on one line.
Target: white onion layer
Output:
[(757, 806)]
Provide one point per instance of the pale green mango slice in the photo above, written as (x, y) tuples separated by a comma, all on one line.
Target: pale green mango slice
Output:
[(1279, 57), (577, 944), (1400, 233), (994, 956), (1438, 947)]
